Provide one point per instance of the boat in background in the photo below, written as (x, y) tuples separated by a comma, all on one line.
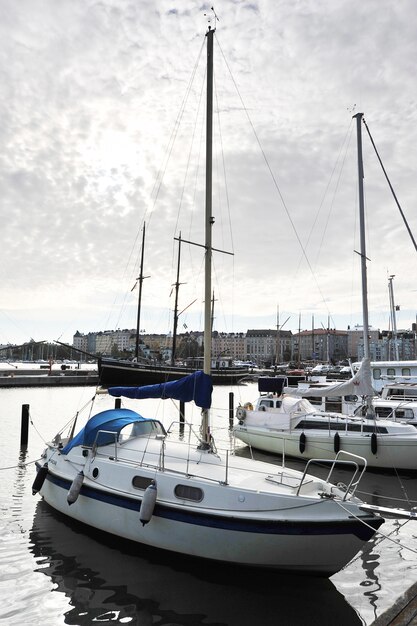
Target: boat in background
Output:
[(397, 401), (130, 476), (285, 422), (139, 372), (114, 372), (289, 424), (384, 372), (47, 373)]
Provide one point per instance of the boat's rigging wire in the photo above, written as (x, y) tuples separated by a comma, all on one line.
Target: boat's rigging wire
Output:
[(190, 152), (168, 152), (148, 213), (192, 140), (379, 532), (390, 185), (346, 143), (273, 177), (223, 164), (10, 467), (372, 495), (342, 155), (223, 168)]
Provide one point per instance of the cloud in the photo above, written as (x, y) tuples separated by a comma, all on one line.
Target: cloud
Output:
[(92, 98)]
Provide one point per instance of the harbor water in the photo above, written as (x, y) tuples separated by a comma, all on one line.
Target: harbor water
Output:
[(57, 572)]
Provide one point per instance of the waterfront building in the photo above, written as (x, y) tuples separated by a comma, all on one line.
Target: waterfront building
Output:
[(320, 344), (266, 347)]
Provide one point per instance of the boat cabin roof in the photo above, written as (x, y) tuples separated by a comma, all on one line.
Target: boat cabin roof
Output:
[(101, 428)]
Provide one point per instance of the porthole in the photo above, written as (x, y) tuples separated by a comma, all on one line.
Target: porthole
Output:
[(95, 472), (141, 482), (186, 492)]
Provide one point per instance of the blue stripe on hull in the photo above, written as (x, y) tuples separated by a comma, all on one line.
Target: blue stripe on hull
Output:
[(351, 527)]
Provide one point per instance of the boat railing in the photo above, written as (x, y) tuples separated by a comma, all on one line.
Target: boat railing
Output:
[(95, 446), (156, 458), (160, 455), (353, 462)]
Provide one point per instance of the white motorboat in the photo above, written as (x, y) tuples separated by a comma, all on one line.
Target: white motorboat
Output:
[(397, 401), (291, 425), (285, 423), (127, 475)]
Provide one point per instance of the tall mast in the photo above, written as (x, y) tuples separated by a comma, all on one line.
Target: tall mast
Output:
[(359, 116), (328, 341), (208, 226), (393, 317), (140, 279), (177, 286), (313, 353), (277, 341), (208, 212), (213, 300)]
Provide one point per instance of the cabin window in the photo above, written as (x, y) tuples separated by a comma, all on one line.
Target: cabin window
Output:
[(376, 373), (267, 403), (141, 482), (406, 371), (351, 398), (390, 371), (380, 411), (145, 428), (404, 414), (403, 393), (186, 492), (315, 401), (334, 404), (325, 425)]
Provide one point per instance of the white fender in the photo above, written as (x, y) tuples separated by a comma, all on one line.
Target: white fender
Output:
[(148, 503), (74, 490)]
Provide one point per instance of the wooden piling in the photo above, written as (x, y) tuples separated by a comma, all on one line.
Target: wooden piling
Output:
[(231, 409), (24, 426)]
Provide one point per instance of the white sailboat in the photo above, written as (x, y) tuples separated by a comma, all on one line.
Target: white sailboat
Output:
[(285, 423), (124, 474)]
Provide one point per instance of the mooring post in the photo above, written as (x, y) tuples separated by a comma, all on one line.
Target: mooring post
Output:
[(231, 409), (24, 426), (117, 403)]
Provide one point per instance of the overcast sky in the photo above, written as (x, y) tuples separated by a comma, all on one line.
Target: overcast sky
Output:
[(102, 130)]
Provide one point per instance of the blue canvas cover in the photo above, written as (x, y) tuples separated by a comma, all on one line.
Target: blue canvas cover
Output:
[(113, 420), (197, 387)]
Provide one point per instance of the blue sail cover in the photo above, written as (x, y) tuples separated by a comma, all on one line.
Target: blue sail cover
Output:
[(113, 420), (197, 387)]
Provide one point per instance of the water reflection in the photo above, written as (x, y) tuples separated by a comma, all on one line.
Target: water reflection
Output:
[(370, 563), (122, 583)]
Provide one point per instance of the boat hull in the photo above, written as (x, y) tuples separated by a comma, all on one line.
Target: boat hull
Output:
[(392, 452), (114, 373), (319, 545)]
